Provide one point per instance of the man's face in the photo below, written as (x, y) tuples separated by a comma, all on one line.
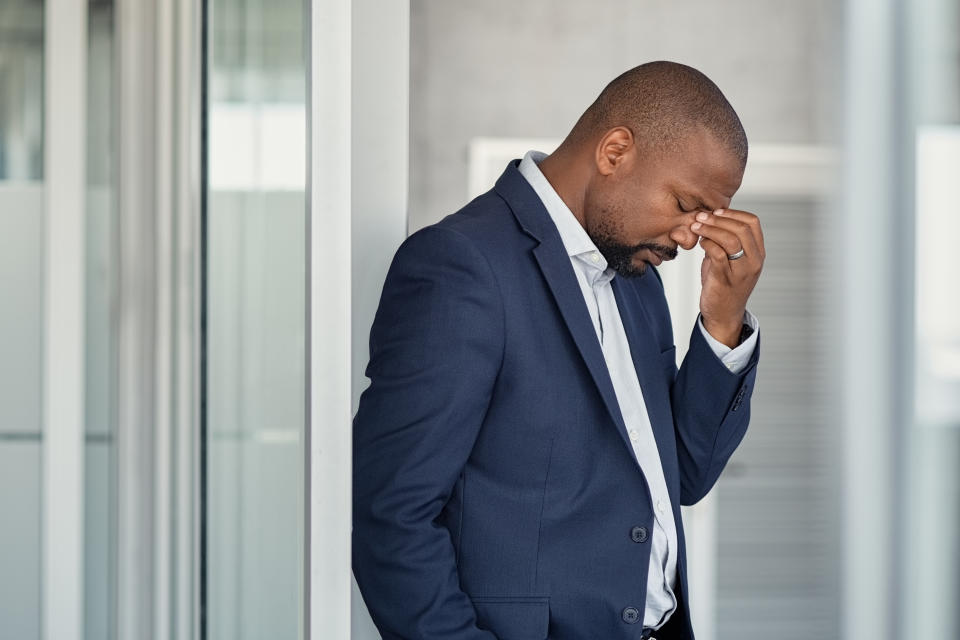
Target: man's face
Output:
[(642, 211)]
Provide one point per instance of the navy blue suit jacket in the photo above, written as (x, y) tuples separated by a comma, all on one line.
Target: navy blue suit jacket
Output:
[(496, 493)]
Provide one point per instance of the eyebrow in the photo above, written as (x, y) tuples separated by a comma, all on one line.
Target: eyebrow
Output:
[(696, 199)]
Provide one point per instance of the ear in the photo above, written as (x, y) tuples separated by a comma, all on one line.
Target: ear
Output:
[(615, 149)]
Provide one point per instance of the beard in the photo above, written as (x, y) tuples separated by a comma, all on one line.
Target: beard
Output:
[(619, 256)]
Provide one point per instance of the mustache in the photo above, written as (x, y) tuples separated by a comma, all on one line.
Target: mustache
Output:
[(665, 252)]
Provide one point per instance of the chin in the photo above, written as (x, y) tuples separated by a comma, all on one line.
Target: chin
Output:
[(633, 270)]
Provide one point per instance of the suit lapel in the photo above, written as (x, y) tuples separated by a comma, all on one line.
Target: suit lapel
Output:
[(558, 272), (555, 265)]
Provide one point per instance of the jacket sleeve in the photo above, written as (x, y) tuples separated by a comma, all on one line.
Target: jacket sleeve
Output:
[(435, 350), (711, 408)]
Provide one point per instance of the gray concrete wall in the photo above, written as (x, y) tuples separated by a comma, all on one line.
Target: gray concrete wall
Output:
[(530, 68)]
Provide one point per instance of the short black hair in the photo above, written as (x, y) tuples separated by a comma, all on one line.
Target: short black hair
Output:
[(661, 102)]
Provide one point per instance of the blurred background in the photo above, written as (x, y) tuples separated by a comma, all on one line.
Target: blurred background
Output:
[(198, 204)]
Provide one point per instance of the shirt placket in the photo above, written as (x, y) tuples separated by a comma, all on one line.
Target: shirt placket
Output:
[(612, 342)]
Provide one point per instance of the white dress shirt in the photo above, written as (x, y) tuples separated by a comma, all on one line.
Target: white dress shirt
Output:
[(594, 277)]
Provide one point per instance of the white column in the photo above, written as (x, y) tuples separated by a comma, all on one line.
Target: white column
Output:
[(380, 122), (65, 59), (328, 446)]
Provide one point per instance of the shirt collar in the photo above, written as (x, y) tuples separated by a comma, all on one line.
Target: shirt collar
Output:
[(574, 237), (575, 240)]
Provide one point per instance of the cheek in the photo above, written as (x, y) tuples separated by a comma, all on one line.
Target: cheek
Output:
[(649, 220), (593, 210), (604, 214)]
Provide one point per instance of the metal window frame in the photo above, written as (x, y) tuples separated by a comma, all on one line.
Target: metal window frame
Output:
[(178, 179), (158, 319)]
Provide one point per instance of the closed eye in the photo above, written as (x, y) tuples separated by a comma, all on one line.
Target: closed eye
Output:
[(680, 207)]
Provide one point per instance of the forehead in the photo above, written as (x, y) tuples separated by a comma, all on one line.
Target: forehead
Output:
[(702, 170)]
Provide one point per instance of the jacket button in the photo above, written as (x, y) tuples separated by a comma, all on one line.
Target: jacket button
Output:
[(638, 534), (630, 615)]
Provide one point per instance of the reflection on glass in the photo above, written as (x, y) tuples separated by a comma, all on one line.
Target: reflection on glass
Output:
[(21, 321), (21, 90), (255, 278)]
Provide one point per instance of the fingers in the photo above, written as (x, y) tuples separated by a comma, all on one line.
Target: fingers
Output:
[(725, 232), (727, 284), (752, 222), (714, 251), (730, 232)]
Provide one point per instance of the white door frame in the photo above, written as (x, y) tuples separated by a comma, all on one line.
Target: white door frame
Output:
[(357, 177), (328, 437), (65, 182)]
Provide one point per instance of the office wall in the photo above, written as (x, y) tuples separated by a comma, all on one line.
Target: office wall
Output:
[(529, 69)]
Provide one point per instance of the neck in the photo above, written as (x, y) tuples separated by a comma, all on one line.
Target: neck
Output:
[(568, 172)]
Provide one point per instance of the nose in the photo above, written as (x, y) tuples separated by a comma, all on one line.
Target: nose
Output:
[(684, 237)]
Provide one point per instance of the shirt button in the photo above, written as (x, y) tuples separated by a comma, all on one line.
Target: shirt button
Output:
[(634, 434), (595, 256), (660, 506), (730, 366), (630, 615), (638, 534)]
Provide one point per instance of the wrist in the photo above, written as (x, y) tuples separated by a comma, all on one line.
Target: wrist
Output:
[(725, 332)]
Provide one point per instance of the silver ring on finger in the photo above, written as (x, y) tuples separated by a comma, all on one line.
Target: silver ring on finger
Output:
[(735, 256)]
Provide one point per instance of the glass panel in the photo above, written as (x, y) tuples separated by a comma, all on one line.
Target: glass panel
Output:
[(255, 284), (20, 538), (932, 510), (101, 336), (21, 322)]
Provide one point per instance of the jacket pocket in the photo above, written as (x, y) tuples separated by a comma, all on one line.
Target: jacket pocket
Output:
[(514, 618)]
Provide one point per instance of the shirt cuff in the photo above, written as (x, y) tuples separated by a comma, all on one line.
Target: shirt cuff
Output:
[(734, 359)]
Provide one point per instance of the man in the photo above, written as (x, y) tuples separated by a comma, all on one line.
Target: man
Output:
[(526, 442)]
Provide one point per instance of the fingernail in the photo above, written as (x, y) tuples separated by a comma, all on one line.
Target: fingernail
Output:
[(718, 212), (696, 225), (703, 216)]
